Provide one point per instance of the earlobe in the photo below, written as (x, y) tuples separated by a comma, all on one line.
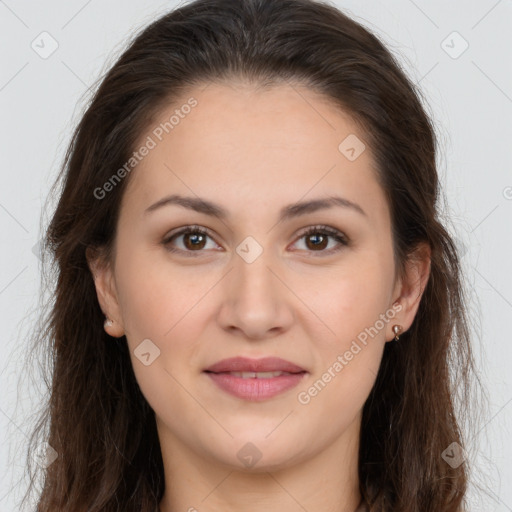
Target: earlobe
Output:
[(106, 292), (412, 285), (112, 328)]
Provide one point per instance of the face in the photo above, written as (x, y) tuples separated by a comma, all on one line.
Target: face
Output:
[(253, 282)]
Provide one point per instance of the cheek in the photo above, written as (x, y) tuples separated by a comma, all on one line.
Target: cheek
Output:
[(164, 305), (169, 305), (354, 306), (352, 298), (349, 359), (157, 296)]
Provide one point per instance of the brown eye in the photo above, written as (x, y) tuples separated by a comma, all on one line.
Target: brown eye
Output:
[(317, 239), (193, 240)]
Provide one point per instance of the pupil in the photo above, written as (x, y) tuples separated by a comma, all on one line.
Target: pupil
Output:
[(196, 238), (316, 237)]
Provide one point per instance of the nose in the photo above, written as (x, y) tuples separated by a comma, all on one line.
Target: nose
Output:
[(257, 304)]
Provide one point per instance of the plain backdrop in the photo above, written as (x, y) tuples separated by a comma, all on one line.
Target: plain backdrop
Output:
[(460, 54)]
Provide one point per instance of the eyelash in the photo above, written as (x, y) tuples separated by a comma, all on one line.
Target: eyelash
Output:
[(320, 229)]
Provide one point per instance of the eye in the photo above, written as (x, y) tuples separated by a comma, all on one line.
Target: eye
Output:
[(194, 240), (317, 239)]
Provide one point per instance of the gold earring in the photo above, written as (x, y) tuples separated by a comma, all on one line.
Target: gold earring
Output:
[(397, 329)]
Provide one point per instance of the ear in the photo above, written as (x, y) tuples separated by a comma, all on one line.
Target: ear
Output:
[(409, 288), (105, 290)]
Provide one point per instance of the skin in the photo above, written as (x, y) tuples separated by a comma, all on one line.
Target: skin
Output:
[(254, 152)]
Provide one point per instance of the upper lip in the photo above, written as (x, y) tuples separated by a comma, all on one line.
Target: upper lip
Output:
[(244, 364)]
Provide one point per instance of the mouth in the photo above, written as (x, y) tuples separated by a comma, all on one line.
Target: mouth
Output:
[(255, 375), (255, 379)]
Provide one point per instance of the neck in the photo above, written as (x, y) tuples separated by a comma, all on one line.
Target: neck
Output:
[(328, 481)]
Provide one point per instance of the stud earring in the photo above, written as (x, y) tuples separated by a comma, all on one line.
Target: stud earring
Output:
[(108, 323), (397, 329)]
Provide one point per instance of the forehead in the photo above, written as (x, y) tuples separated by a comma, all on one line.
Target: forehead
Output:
[(237, 141)]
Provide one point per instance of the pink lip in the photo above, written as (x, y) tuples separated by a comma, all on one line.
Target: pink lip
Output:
[(255, 389), (244, 364)]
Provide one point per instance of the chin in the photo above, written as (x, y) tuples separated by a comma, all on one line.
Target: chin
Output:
[(255, 454)]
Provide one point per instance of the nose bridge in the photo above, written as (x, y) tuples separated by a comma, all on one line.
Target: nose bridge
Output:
[(254, 284), (255, 300)]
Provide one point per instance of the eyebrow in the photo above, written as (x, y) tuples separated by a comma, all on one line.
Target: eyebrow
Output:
[(288, 212)]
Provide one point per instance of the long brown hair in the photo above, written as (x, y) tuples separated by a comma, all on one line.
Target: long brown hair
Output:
[(96, 418)]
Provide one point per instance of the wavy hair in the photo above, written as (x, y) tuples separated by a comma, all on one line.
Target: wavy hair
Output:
[(96, 417)]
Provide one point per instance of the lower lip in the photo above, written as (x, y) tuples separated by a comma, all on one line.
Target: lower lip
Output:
[(255, 389)]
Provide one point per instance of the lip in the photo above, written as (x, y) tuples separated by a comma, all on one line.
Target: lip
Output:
[(245, 364), (255, 389)]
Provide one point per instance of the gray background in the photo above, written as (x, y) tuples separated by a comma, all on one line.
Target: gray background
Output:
[(469, 93)]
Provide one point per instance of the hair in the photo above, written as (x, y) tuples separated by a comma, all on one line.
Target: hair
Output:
[(96, 418)]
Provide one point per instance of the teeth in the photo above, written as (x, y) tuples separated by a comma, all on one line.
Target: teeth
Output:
[(257, 375)]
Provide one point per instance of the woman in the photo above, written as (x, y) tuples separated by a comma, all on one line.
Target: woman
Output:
[(257, 306)]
